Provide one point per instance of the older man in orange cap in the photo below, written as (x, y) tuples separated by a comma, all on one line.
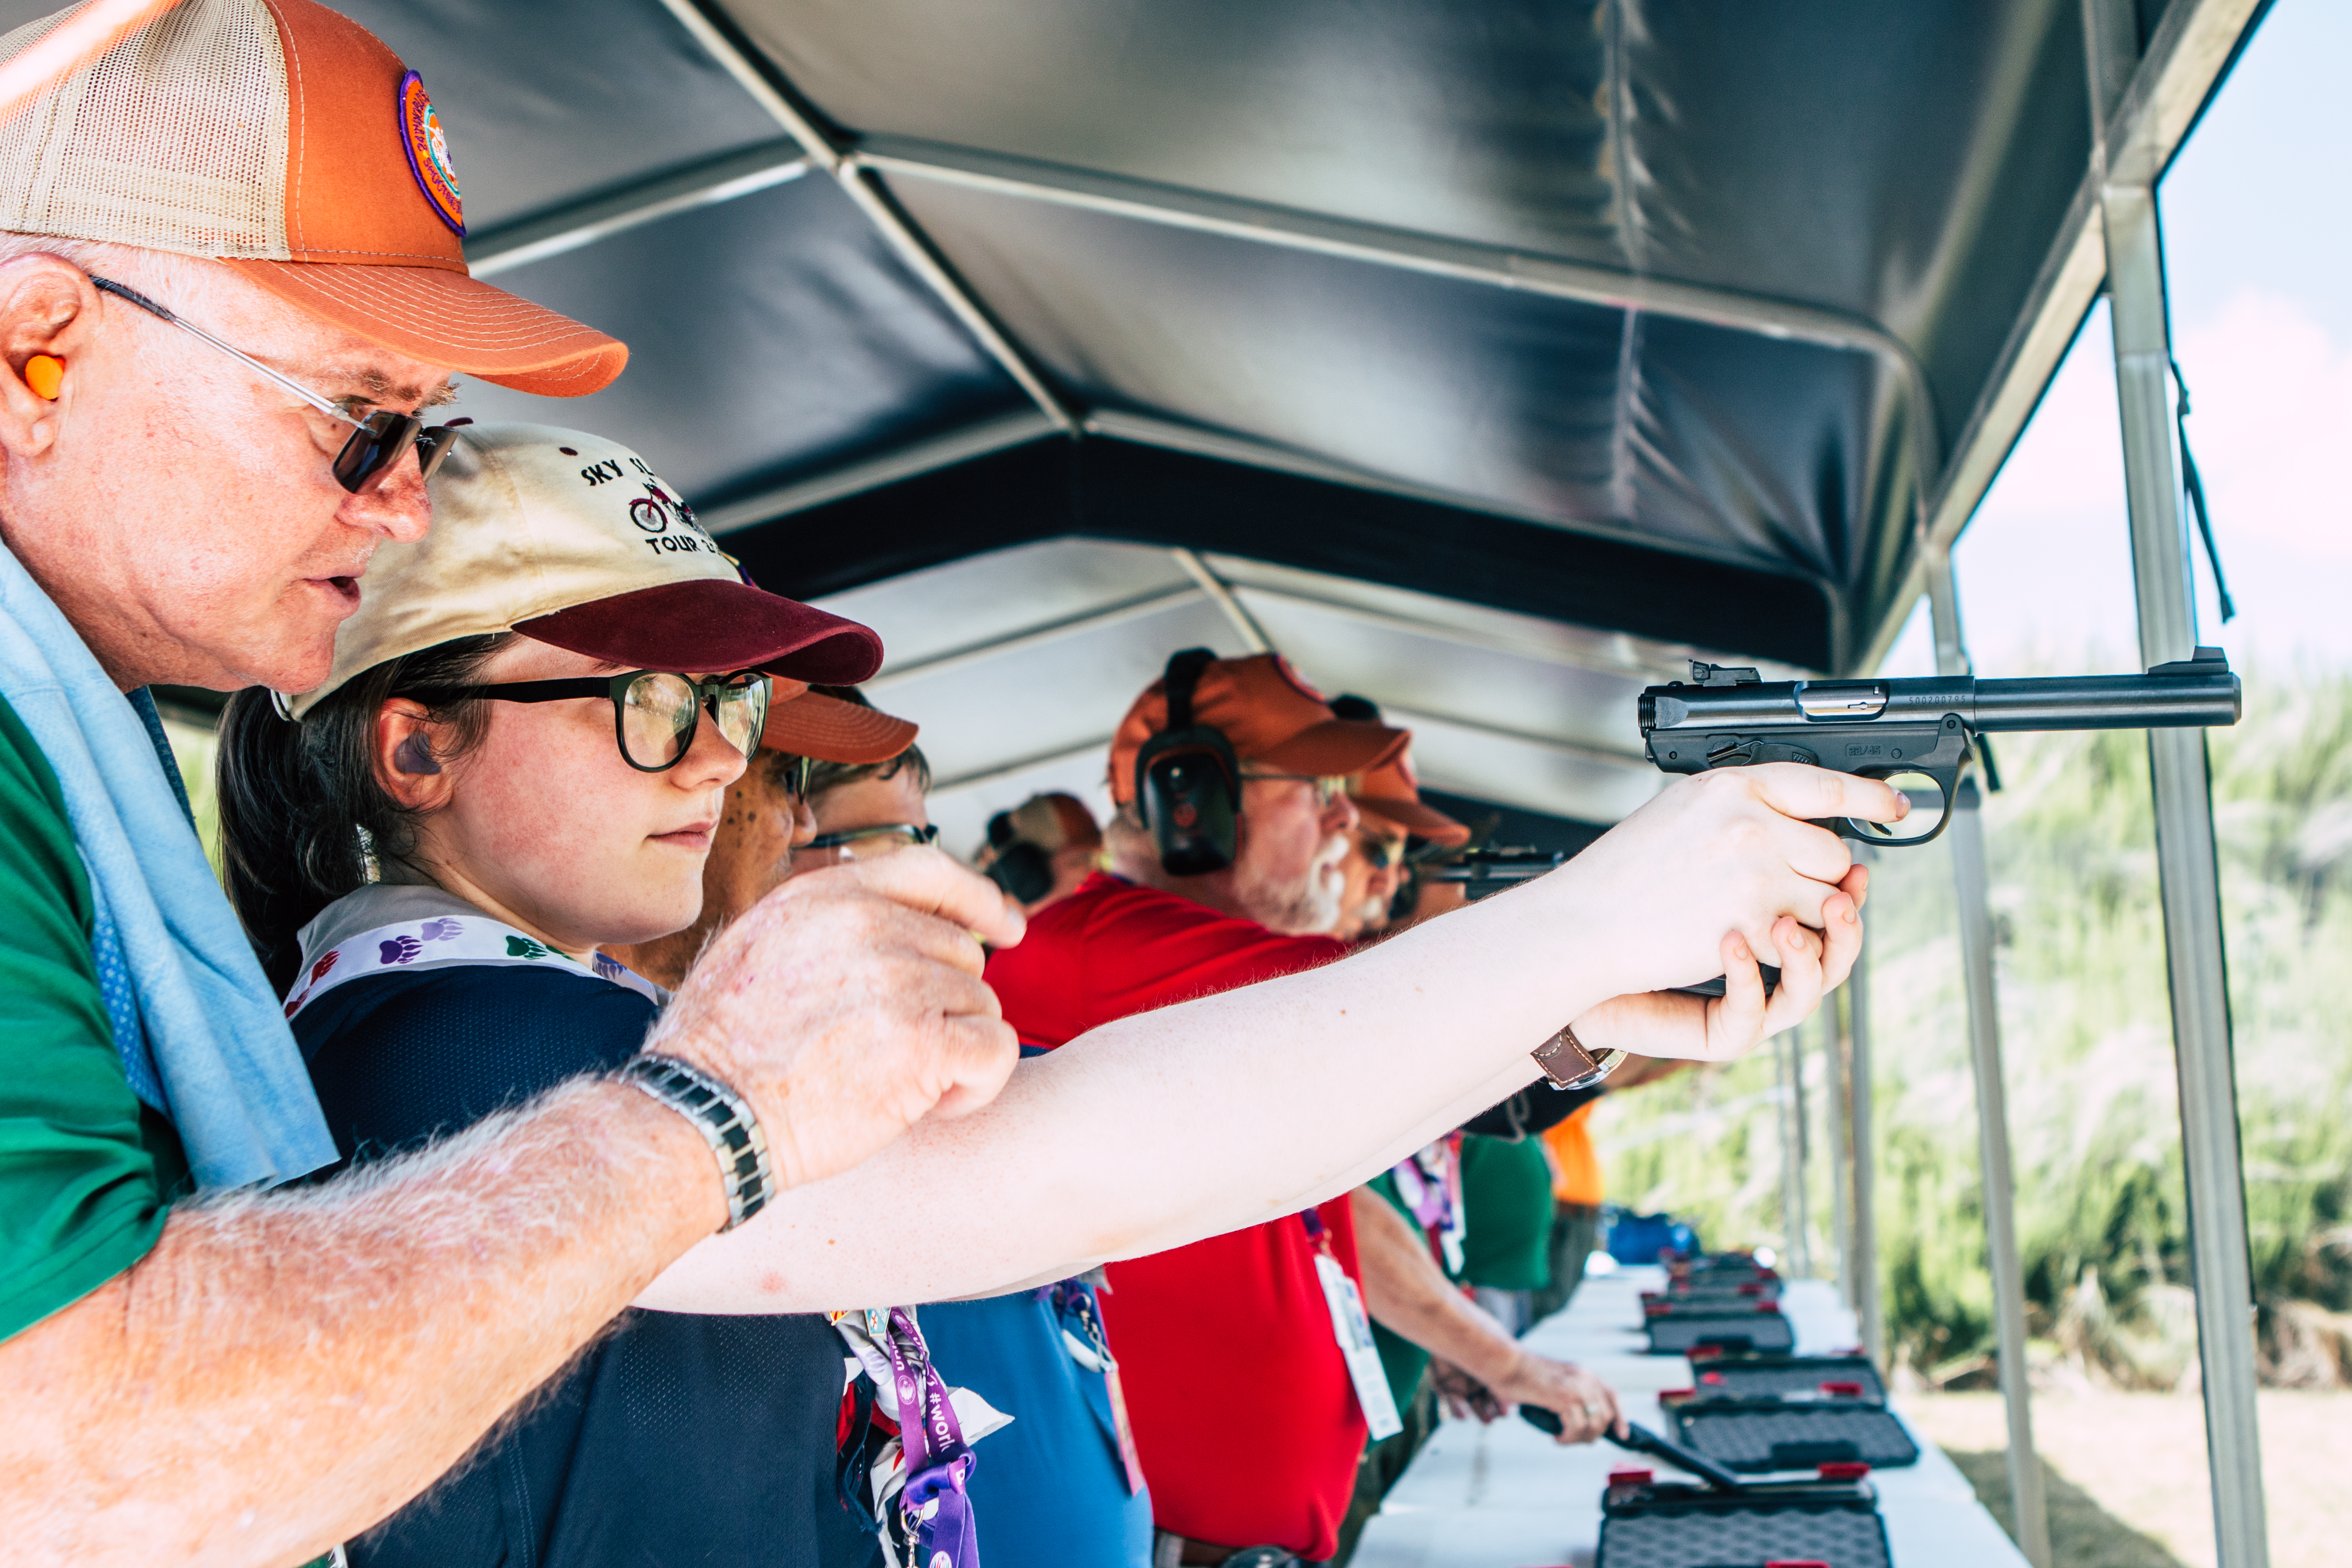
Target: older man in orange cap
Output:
[(233, 285)]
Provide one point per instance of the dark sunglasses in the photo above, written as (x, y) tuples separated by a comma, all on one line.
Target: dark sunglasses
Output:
[(1384, 853), (376, 442), (655, 713)]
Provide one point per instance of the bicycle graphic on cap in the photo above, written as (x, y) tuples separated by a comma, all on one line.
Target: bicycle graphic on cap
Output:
[(656, 511)]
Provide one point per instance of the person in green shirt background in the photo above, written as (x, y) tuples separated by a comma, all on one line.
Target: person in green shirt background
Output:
[(1505, 1245)]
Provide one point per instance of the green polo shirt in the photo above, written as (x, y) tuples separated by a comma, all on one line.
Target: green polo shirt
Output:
[(1506, 1202), (85, 1169)]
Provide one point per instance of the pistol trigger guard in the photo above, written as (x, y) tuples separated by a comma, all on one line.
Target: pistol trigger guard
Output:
[(1948, 765)]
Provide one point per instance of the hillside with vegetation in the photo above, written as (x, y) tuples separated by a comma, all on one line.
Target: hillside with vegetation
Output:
[(2087, 1037)]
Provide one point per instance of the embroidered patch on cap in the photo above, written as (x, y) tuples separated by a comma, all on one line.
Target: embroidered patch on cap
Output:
[(428, 153)]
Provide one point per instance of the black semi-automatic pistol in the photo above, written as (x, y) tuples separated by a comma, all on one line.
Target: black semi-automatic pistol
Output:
[(1919, 735)]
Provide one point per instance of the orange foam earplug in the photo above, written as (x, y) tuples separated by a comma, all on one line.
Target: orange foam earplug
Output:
[(45, 375)]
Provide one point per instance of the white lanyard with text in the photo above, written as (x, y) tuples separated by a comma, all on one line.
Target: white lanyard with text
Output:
[(1353, 1329)]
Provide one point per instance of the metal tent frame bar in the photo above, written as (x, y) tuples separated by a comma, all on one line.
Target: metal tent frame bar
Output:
[(568, 227), (2190, 877), (767, 88), (2029, 1507)]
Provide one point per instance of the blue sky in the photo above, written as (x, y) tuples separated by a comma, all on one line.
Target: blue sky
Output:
[(2258, 233)]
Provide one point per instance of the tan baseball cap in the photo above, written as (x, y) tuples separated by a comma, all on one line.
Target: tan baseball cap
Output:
[(572, 540), (288, 142), (1267, 714), (1055, 821)]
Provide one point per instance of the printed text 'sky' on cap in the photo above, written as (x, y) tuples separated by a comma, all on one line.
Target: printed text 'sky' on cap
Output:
[(287, 141), (1270, 716), (572, 539)]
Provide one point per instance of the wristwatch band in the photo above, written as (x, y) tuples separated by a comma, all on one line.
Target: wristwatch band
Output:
[(725, 1121), (1569, 1065)]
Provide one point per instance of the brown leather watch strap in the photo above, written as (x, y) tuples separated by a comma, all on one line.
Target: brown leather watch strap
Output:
[(1571, 1064)]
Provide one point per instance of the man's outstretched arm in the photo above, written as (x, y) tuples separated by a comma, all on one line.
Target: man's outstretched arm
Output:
[(283, 1370), (1169, 1126)]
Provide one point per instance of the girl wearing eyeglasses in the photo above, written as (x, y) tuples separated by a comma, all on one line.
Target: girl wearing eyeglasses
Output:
[(518, 761)]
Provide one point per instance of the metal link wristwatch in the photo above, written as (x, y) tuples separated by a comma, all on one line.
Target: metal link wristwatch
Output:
[(1568, 1064), (725, 1121)]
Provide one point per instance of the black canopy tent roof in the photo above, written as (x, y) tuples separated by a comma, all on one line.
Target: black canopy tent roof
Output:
[(1578, 337)]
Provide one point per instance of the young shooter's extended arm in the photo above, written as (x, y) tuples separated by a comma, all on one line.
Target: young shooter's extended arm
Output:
[(1191, 1120)]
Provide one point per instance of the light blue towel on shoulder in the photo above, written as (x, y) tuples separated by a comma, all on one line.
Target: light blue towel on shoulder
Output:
[(202, 1035)]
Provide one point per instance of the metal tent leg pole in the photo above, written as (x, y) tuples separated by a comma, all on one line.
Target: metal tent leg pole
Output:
[(1802, 1138), (2029, 1507), (2192, 888), (1867, 1303), (1837, 1120), (1790, 1058)]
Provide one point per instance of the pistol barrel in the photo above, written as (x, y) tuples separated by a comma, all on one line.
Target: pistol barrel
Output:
[(2108, 702), (2181, 696)]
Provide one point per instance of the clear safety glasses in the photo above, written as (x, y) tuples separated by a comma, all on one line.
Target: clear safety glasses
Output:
[(866, 843), (1329, 787)]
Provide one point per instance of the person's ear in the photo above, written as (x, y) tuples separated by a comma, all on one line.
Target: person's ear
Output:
[(406, 765), (48, 316)]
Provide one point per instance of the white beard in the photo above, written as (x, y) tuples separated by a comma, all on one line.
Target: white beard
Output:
[(1312, 905)]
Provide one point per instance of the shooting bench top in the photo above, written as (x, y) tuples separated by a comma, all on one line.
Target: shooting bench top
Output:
[(1505, 1497)]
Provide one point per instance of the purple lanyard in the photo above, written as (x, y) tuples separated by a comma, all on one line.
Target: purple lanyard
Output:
[(937, 1506), (1429, 1194)]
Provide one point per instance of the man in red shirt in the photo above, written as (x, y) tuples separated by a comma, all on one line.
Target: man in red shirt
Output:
[(1243, 1409)]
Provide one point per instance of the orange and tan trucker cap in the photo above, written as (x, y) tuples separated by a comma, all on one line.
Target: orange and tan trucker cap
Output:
[(572, 540), (288, 142), (1268, 715)]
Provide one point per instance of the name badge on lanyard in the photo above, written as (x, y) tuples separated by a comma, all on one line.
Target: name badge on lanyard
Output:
[(1353, 1329)]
